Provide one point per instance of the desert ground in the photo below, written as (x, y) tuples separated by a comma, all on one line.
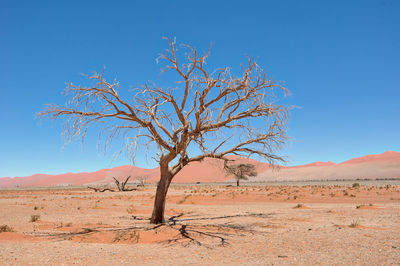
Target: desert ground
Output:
[(206, 224)]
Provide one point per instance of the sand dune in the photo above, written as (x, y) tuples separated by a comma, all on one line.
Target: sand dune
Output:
[(385, 165), (103, 176)]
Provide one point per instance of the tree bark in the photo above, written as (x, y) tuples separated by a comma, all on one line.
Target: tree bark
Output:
[(159, 202)]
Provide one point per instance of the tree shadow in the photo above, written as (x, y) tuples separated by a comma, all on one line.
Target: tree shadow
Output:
[(201, 231), (192, 232)]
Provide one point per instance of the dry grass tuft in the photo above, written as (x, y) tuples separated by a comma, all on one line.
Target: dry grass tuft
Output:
[(354, 224)]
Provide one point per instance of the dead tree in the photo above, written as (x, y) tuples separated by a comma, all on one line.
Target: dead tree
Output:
[(241, 171), (204, 114), (142, 180), (122, 185)]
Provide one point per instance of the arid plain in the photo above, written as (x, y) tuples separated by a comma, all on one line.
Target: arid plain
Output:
[(315, 223)]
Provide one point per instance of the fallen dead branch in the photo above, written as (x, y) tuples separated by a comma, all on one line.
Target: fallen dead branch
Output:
[(101, 189)]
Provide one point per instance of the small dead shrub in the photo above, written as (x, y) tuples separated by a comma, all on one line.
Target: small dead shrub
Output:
[(5, 228), (34, 218), (131, 209)]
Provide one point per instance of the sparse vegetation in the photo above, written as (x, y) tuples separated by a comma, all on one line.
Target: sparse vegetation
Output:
[(130, 214), (5, 228), (355, 185)]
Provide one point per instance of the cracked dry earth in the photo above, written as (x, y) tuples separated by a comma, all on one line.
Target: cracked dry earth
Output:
[(206, 225)]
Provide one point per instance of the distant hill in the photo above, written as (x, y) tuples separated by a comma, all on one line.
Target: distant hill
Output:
[(385, 165)]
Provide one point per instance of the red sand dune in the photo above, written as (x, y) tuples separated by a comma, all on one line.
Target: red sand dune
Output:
[(103, 176), (385, 165), (388, 156), (314, 164)]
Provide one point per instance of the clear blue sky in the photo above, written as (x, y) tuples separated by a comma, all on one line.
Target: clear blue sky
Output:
[(340, 59)]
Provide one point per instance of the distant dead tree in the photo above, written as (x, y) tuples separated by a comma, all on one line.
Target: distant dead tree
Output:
[(204, 114), (241, 171), (120, 185), (142, 180)]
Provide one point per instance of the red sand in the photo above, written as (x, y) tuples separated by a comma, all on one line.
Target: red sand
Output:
[(260, 225)]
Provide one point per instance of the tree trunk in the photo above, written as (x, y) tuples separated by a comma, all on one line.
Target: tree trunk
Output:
[(159, 202), (237, 182)]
